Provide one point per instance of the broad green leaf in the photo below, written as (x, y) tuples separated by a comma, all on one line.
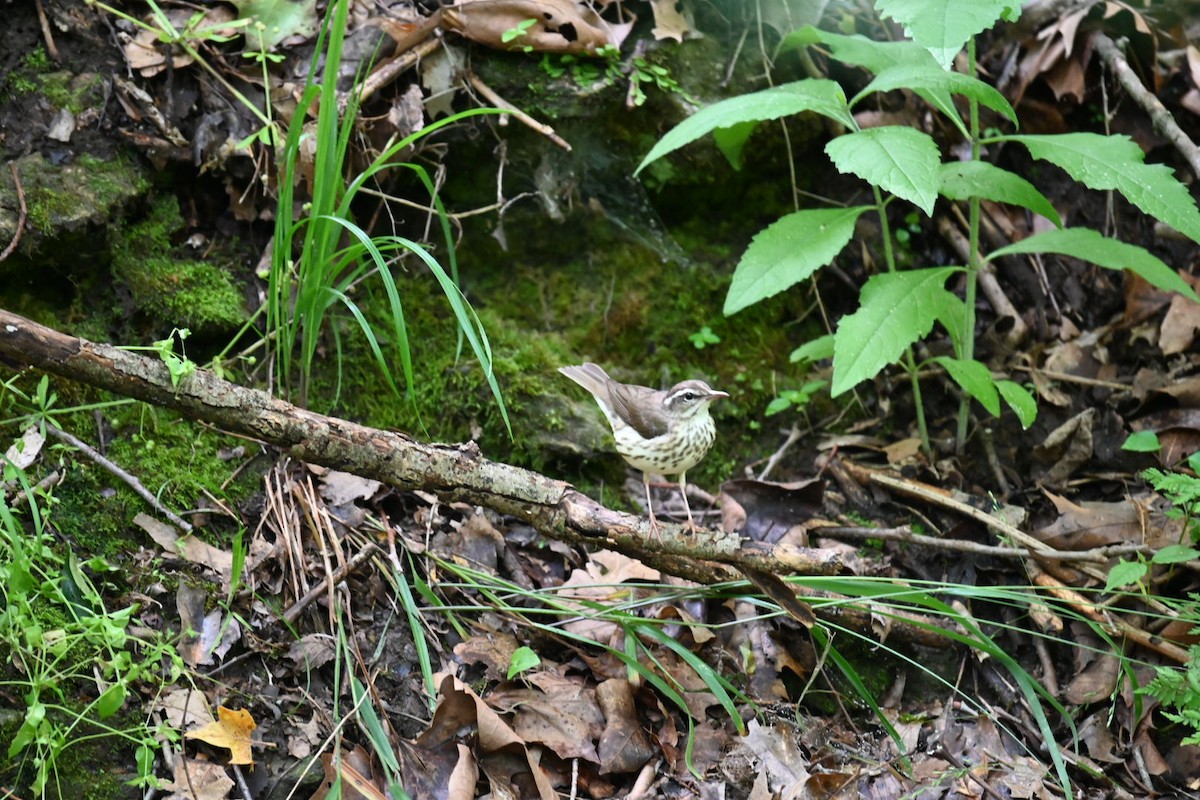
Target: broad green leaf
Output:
[(895, 310), (789, 250), (732, 140), (975, 379), (1125, 573), (825, 97), (962, 180), (899, 160), (858, 50), (943, 27), (875, 57), (933, 78), (821, 347), (1142, 442), (1116, 162), (523, 658), (1090, 245), (1175, 554), (1019, 400)]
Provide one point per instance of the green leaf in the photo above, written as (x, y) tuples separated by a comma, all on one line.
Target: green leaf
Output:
[(280, 19), (931, 77), (943, 27), (1090, 245), (1019, 400), (732, 140), (523, 659), (1175, 554), (1125, 573), (875, 57), (1142, 442), (789, 250), (817, 349), (858, 50), (825, 97), (111, 700), (896, 309), (777, 405), (962, 180), (1116, 162), (899, 160), (975, 379)]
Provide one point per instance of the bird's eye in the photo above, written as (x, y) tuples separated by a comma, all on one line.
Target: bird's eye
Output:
[(690, 396)]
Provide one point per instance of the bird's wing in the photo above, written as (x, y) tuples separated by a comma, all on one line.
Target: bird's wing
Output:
[(640, 407)]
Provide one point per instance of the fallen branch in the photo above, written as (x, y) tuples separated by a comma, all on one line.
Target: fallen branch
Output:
[(455, 472)]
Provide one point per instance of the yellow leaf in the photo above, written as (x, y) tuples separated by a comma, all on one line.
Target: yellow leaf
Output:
[(232, 730)]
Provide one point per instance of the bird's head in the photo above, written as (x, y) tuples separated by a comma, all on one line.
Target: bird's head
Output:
[(690, 398)]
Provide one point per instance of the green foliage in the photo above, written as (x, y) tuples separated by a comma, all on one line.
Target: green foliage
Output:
[(1179, 690), (63, 642), (179, 366), (898, 309), (304, 292), (703, 338), (639, 72)]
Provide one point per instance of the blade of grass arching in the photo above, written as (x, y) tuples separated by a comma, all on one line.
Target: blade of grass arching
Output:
[(851, 674), (375, 732), (280, 319), (1034, 694), (468, 322), (369, 334), (395, 306), (413, 612), (714, 682)]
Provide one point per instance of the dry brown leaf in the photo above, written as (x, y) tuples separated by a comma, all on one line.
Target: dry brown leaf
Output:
[(189, 547), (545, 26), (185, 708), (233, 731), (198, 780), (567, 719), (147, 53), (669, 22), (1178, 330), (459, 709), (623, 744)]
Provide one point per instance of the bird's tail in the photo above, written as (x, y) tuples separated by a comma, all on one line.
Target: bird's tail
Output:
[(590, 376)]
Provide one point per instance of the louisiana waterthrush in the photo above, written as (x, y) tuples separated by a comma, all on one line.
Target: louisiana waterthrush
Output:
[(655, 430)]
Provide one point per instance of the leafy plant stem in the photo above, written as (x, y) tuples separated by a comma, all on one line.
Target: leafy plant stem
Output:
[(966, 345), (910, 360)]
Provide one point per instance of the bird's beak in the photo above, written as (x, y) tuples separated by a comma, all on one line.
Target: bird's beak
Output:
[(717, 395)]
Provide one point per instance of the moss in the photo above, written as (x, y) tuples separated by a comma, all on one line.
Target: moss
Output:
[(178, 291), (66, 199)]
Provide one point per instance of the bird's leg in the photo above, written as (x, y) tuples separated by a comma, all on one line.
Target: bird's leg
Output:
[(655, 530), (691, 523)]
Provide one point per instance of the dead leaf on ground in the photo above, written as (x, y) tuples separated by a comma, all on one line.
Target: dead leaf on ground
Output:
[(203, 635), (1084, 526), (233, 731), (188, 547), (460, 711), (669, 21), (198, 780), (543, 26)]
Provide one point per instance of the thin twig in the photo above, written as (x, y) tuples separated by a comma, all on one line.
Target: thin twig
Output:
[(297, 608), (1160, 117), (904, 533), (129, 480), (24, 213), (500, 102), (47, 32)]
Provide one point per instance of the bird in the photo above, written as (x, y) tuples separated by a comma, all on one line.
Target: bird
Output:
[(667, 431)]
